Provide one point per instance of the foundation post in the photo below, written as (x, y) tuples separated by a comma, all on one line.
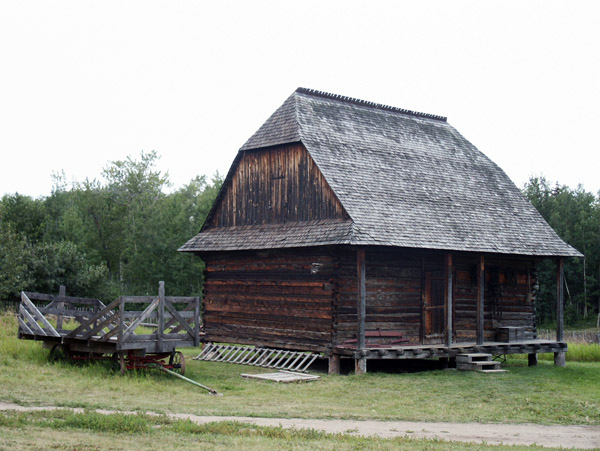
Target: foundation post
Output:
[(334, 364), (360, 366), (532, 359)]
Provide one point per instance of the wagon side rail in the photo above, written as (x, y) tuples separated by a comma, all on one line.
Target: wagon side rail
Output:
[(65, 312), (32, 321), (176, 321)]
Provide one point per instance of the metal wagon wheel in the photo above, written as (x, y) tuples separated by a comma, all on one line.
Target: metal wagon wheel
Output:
[(59, 353), (177, 362), (118, 362)]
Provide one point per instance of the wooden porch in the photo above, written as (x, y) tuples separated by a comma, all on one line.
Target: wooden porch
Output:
[(443, 351), (362, 351)]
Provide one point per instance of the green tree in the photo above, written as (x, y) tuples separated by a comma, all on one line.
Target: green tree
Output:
[(14, 259), (103, 238), (575, 216), (25, 215)]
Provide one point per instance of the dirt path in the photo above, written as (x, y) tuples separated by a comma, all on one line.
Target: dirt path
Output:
[(582, 437)]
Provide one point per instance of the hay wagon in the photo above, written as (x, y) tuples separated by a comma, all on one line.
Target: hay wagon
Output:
[(136, 332)]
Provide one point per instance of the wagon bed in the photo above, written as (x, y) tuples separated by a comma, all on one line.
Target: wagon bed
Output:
[(88, 327)]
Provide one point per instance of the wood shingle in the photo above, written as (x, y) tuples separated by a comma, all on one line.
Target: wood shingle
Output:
[(404, 179)]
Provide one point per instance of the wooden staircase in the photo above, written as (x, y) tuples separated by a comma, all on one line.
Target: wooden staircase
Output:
[(480, 362)]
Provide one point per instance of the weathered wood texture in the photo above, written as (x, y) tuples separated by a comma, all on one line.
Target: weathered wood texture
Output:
[(281, 298), (508, 296), (113, 326), (273, 186), (393, 298), (307, 298)]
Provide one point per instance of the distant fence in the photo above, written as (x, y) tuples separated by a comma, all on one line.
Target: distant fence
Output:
[(574, 336)]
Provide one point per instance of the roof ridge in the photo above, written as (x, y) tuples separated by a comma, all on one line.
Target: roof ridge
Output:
[(379, 106)]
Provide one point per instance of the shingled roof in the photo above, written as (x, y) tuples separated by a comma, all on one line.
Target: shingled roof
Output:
[(406, 179)]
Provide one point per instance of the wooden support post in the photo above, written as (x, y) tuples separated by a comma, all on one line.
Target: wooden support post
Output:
[(560, 299), (532, 359), (161, 316), (62, 292), (480, 300), (559, 357), (361, 298), (197, 321), (423, 300), (361, 364), (448, 303), (334, 364), (121, 323)]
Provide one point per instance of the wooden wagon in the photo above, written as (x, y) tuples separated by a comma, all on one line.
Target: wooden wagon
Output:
[(135, 331)]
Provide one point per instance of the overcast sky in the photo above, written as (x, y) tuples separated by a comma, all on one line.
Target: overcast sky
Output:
[(87, 82)]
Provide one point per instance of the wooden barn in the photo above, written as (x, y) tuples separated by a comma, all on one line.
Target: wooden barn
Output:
[(366, 231)]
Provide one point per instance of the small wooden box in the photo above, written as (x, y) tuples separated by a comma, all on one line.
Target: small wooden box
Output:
[(510, 334)]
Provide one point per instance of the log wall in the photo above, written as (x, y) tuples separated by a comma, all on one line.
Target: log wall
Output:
[(280, 298), (393, 282), (275, 298), (513, 296), (273, 186)]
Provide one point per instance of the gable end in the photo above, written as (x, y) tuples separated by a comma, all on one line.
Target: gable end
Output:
[(275, 185)]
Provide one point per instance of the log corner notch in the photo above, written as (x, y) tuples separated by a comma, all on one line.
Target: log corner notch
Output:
[(559, 357), (361, 363)]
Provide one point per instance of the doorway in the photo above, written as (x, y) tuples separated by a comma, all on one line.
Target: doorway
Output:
[(433, 307)]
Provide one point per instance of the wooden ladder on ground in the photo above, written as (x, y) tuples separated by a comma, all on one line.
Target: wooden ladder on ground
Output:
[(480, 362), (281, 359)]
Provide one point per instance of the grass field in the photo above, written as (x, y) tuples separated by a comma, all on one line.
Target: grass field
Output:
[(91, 431), (545, 394)]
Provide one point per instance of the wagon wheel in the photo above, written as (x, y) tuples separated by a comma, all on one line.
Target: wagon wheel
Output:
[(58, 353), (177, 362), (118, 362)]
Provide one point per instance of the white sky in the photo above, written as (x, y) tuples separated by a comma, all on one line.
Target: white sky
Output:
[(87, 82)]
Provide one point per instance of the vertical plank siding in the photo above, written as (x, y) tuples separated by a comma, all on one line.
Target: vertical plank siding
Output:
[(276, 185)]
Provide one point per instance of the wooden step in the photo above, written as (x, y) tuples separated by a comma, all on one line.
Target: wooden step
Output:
[(480, 362), (478, 366), (474, 357)]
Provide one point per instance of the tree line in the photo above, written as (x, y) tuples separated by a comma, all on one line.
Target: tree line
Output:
[(105, 238), (575, 215), (119, 236)]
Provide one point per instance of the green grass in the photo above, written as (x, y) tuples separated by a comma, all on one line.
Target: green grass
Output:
[(66, 430), (578, 352), (545, 394)]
